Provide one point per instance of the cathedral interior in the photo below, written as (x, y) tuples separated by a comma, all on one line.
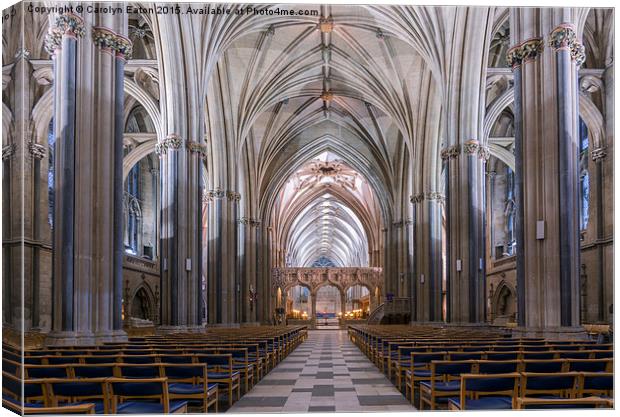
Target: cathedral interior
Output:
[(327, 182)]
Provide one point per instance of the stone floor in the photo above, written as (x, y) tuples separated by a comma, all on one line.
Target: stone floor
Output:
[(327, 373)]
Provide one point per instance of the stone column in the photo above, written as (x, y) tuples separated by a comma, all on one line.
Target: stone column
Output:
[(181, 232), (86, 267), (547, 54), (62, 43), (466, 224), (223, 281), (427, 254)]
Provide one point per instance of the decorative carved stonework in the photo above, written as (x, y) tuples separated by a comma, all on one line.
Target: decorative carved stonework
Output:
[(429, 196), (578, 53), (233, 196), (598, 154), (514, 56), (562, 37), (104, 38), (67, 24), (8, 151), (36, 150), (398, 224), (195, 147), (531, 49), (172, 141), (471, 147), (314, 278), (484, 152), (249, 222), (214, 195), (450, 152), (417, 198), (123, 47)]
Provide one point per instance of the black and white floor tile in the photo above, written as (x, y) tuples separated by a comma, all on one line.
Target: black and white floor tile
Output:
[(327, 373)]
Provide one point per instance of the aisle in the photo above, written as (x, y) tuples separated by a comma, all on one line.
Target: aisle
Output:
[(326, 373)]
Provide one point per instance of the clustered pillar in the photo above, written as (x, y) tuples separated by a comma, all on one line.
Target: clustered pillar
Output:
[(181, 233), (465, 207), (87, 241), (547, 174)]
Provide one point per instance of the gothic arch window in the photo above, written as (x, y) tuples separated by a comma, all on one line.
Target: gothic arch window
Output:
[(323, 262), (133, 212), (584, 176), (502, 209)]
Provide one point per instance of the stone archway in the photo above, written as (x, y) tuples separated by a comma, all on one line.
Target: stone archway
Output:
[(142, 304), (315, 278), (503, 303)]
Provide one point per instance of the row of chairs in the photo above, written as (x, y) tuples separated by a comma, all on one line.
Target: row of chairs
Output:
[(196, 366), (521, 390), (418, 372), (218, 369), (111, 395), (436, 367)]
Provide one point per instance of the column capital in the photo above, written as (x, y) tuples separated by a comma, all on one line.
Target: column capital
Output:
[(450, 152), (565, 37), (248, 221), (172, 142), (599, 154), (195, 147), (123, 47), (8, 151), (36, 150), (562, 37), (104, 38), (514, 57), (429, 196), (532, 49), (233, 196), (66, 24)]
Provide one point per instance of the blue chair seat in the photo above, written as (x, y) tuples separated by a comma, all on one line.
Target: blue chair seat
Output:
[(137, 407), (443, 386), (241, 366), (485, 403), (221, 375), (405, 364), (183, 388), (422, 374)]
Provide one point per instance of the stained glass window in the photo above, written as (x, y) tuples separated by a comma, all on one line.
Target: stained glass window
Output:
[(51, 142), (584, 176)]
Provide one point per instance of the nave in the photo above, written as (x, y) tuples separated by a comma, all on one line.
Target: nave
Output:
[(326, 373)]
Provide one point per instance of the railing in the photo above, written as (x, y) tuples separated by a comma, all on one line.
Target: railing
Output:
[(392, 307)]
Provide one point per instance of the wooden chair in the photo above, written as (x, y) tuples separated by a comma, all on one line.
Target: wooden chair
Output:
[(596, 384), (141, 393), (220, 371), (33, 389), (190, 382), (29, 409), (551, 385), (420, 370), (486, 392), (445, 381), (546, 403), (68, 391)]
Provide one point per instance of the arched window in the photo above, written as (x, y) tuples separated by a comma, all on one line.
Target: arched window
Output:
[(133, 211), (51, 142), (323, 262), (584, 177)]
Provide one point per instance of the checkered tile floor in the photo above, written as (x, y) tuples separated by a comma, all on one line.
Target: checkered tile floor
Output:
[(326, 373)]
